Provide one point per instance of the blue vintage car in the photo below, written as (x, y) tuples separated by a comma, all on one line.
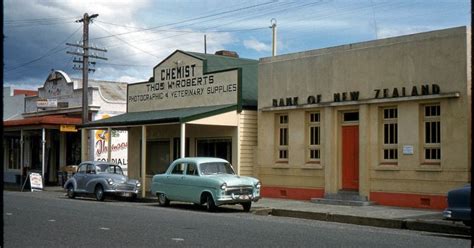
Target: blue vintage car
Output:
[(459, 205), (205, 181), (100, 179)]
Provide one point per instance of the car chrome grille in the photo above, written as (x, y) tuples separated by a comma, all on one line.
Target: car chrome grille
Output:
[(242, 190), (125, 187)]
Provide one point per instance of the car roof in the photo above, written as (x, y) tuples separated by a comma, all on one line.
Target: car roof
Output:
[(200, 160), (98, 162)]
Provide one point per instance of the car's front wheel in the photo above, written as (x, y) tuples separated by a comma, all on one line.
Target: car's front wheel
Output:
[(70, 191), (210, 205), (99, 193), (162, 200), (247, 206)]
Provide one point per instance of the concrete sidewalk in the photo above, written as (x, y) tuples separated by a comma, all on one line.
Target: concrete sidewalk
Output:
[(378, 216)]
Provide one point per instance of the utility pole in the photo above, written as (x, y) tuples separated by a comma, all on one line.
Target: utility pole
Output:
[(274, 32), (85, 78), (85, 63), (205, 45)]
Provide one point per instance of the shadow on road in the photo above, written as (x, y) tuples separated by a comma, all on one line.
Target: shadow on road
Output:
[(452, 236), (195, 207)]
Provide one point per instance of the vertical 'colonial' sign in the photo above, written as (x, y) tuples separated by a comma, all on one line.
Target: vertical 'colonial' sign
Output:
[(180, 81)]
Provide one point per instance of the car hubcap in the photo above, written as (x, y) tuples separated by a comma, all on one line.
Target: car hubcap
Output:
[(162, 199), (99, 193)]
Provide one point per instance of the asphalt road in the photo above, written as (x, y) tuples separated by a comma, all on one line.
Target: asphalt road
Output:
[(49, 219)]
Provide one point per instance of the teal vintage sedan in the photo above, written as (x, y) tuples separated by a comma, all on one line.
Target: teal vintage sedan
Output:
[(205, 181)]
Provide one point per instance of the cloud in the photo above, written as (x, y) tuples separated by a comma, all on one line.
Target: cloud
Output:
[(392, 31), (257, 45), (119, 28)]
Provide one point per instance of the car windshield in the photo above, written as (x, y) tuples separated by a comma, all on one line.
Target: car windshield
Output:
[(216, 168), (109, 168)]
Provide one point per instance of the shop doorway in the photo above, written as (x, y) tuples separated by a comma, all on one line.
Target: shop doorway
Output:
[(219, 148), (350, 152)]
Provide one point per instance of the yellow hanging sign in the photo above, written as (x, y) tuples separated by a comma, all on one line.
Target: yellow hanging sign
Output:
[(68, 128)]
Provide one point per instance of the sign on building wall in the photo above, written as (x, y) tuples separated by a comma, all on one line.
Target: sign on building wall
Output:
[(47, 103), (119, 145), (180, 82), (67, 128), (57, 92)]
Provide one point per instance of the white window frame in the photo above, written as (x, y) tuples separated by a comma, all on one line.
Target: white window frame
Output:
[(282, 152), (432, 143), (389, 135), (313, 143)]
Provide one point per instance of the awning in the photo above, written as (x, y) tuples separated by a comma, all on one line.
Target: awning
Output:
[(43, 120), (160, 116)]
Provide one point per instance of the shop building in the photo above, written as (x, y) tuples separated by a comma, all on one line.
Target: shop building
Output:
[(44, 137), (388, 120), (195, 104)]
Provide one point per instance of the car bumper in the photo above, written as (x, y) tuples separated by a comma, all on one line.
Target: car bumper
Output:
[(457, 214), (122, 189), (447, 214), (233, 199)]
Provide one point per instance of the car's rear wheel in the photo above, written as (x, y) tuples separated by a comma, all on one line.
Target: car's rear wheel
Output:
[(99, 193), (210, 205), (247, 206), (163, 200), (70, 191)]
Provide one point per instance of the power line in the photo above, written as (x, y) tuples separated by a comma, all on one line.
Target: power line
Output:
[(39, 19), (46, 54), (124, 41), (184, 21)]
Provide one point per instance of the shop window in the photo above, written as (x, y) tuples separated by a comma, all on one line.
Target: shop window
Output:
[(177, 148), (282, 147), (12, 152), (314, 137), (432, 132), (390, 134), (158, 156), (219, 148)]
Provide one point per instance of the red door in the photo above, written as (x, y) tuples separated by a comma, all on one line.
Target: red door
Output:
[(350, 157)]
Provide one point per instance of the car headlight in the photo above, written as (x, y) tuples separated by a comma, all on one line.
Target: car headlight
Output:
[(110, 181), (224, 186), (258, 185), (139, 184)]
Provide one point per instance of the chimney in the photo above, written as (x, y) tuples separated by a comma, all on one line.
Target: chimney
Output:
[(227, 53)]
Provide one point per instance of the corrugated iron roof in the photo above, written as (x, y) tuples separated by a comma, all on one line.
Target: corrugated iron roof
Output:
[(111, 91), (161, 116), (44, 120)]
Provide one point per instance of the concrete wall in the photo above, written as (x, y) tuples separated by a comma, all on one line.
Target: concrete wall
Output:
[(439, 57)]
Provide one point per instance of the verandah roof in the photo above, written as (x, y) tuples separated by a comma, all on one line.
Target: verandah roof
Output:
[(161, 116)]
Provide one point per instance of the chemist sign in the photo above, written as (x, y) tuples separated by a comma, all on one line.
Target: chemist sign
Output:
[(180, 82)]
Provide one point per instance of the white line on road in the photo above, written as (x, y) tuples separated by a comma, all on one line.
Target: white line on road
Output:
[(104, 228), (9, 214), (177, 239), (51, 220)]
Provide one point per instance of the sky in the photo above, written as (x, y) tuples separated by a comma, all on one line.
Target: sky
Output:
[(139, 34)]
